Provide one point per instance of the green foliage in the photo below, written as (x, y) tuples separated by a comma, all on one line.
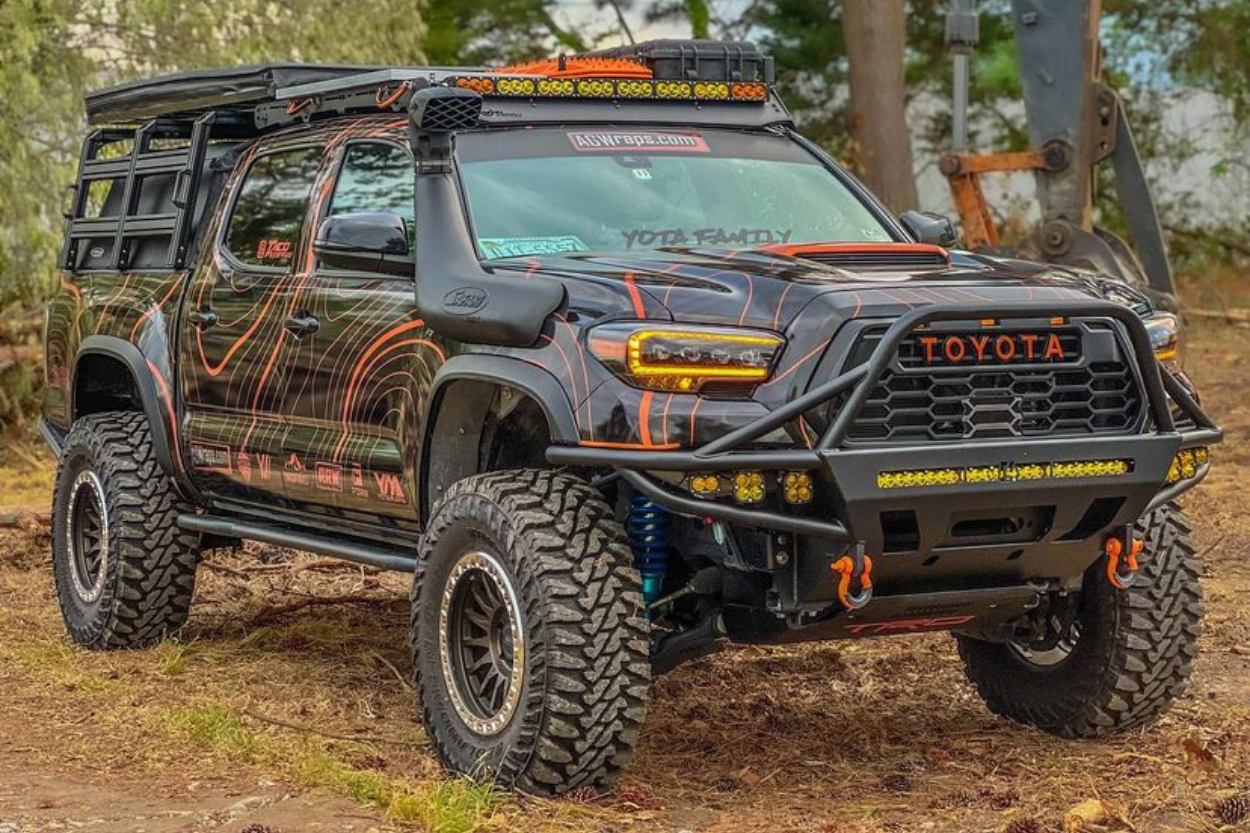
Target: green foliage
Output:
[(53, 50), (496, 33), (40, 83)]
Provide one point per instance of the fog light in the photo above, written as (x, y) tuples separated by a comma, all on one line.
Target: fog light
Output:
[(748, 487), (1187, 462), (704, 485), (798, 487)]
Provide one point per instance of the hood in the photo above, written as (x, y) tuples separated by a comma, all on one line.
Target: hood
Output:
[(770, 290)]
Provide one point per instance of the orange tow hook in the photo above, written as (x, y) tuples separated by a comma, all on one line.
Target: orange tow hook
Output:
[(854, 565), (1122, 575)]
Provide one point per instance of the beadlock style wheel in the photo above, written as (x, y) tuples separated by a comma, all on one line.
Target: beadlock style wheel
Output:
[(529, 636), (124, 570), (482, 643), (1054, 654), (1126, 656), (87, 537)]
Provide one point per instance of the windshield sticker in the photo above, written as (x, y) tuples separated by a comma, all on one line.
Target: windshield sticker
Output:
[(497, 247), (619, 142), (743, 237)]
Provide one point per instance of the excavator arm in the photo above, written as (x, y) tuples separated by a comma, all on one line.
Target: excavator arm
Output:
[(1075, 124)]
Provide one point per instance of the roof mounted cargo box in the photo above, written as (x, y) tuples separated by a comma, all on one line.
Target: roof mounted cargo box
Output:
[(697, 60)]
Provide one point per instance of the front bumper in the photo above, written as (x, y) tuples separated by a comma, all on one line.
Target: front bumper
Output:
[(1064, 512)]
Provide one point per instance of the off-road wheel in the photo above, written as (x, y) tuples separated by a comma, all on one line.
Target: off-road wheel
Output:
[(124, 571), (1126, 656), (528, 633)]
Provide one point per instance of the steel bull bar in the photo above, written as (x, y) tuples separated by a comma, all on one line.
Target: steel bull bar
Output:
[(1157, 442)]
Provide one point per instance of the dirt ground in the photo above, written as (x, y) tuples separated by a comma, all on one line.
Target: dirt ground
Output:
[(284, 707)]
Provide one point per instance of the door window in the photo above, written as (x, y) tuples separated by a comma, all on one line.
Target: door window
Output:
[(376, 177), (265, 223)]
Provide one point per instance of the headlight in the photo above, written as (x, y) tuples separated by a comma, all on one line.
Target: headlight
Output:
[(1165, 337), (685, 358)]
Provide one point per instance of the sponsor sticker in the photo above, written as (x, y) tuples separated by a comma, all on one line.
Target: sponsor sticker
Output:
[(273, 250), (497, 247), (211, 457), (614, 141)]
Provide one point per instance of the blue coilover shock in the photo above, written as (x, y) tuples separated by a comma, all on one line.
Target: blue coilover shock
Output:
[(647, 527)]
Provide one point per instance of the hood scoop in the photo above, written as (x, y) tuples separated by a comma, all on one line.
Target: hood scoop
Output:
[(868, 257)]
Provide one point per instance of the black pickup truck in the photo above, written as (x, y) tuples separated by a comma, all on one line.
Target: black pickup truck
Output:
[(623, 370)]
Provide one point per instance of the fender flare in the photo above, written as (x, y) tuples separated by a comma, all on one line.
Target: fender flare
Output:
[(145, 381), (504, 371)]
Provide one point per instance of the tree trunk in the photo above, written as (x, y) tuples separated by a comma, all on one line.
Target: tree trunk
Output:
[(875, 38)]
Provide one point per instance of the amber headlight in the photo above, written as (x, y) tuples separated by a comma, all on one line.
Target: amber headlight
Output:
[(686, 358), (1165, 337)]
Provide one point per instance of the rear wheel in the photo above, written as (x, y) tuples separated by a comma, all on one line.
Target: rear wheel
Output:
[(529, 637), (1119, 660), (124, 570)]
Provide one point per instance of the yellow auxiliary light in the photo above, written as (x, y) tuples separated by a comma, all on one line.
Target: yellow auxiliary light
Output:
[(704, 485), (517, 86), (556, 86), (748, 487), (1187, 462), (797, 486), (633, 88), (714, 90), (1005, 473)]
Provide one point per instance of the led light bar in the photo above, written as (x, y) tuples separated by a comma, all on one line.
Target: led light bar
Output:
[(1002, 473), (523, 86)]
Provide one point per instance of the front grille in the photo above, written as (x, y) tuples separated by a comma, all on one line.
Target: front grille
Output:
[(1097, 393)]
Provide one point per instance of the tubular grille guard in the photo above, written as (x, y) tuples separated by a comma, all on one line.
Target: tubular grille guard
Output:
[(1161, 391)]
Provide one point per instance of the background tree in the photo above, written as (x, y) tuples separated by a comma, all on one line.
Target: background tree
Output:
[(875, 32)]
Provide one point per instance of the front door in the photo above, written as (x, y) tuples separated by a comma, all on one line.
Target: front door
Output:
[(358, 385)]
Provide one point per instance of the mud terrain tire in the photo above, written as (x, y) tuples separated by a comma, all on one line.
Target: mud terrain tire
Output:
[(548, 551), (112, 498), (1132, 658)]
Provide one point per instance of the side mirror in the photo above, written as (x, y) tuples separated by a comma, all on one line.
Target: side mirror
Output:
[(365, 241), (929, 227)]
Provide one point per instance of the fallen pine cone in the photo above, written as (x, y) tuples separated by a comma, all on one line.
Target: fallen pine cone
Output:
[(1234, 809)]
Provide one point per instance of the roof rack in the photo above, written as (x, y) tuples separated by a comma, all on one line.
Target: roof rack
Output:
[(257, 98)]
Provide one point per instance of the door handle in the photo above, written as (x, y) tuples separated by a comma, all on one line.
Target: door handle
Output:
[(202, 318), (302, 325)]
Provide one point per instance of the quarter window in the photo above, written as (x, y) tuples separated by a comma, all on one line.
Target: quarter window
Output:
[(265, 223)]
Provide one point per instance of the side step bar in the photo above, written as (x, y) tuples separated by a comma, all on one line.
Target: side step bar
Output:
[(380, 557)]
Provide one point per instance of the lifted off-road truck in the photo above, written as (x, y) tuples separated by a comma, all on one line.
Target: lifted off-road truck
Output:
[(623, 370)]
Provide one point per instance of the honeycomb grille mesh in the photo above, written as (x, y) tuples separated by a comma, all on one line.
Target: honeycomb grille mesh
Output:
[(915, 404)]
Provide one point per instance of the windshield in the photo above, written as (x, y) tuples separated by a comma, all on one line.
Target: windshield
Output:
[(558, 190)]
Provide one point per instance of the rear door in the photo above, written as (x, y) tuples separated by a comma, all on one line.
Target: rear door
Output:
[(235, 328)]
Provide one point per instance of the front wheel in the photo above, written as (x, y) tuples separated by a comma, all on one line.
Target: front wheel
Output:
[(528, 633), (1121, 660)]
